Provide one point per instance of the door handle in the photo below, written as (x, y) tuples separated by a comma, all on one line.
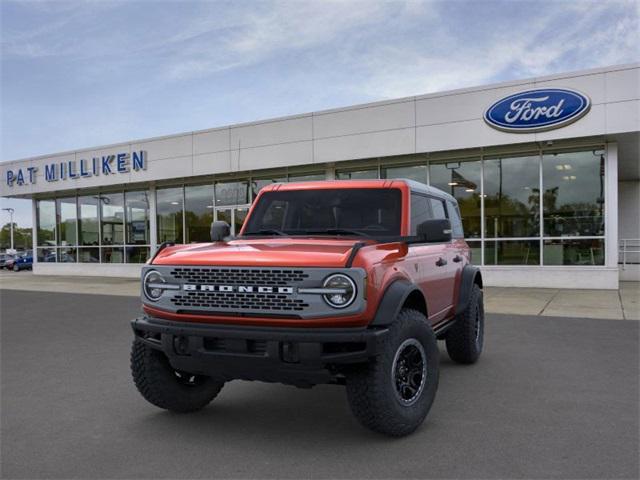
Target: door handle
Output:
[(457, 259), (441, 262)]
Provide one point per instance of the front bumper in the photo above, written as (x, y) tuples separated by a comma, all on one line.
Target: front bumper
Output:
[(298, 356)]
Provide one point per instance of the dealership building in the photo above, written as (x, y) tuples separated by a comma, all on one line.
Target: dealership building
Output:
[(546, 172)]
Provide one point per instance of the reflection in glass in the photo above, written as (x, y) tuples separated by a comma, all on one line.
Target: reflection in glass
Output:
[(574, 252), (137, 217), (308, 177), (476, 251), (413, 172), (258, 184), (112, 254), (224, 215), (512, 252), (137, 254), (169, 210), (198, 212), (512, 197), (89, 255), (66, 255), (357, 174), (239, 215), (461, 180), (88, 220), (47, 255), (232, 193), (112, 216), (573, 198), (46, 218), (67, 219)]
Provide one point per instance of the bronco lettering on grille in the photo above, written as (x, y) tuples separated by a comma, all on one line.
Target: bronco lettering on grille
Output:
[(237, 288)]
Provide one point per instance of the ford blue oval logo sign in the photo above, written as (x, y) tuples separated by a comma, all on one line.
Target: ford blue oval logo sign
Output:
[(537, 110)]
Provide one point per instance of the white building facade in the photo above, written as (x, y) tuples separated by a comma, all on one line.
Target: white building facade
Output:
[(546, 172)]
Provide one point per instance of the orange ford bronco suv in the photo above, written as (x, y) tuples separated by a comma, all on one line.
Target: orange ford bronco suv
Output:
[(343, 282)]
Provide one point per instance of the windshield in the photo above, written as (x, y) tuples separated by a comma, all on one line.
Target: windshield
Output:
[(365, 212)]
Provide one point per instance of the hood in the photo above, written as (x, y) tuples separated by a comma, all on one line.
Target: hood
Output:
[(270, 252)]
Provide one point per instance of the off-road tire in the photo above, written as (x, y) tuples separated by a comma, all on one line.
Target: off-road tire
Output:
[(464, 342), (371, 388), (161, 385)]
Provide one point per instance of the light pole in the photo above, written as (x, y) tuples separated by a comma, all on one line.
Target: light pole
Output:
[(10, 210)]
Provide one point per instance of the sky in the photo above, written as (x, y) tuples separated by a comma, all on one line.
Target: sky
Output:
[(87, 73)]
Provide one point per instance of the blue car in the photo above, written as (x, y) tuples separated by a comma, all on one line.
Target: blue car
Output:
[(23, 262)]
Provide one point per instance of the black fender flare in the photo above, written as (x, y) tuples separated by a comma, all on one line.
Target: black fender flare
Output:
[(470, 275), (392, 301)]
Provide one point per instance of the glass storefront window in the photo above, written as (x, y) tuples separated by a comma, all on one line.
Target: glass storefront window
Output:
[(462, 181), (198, 212), (357, 174), (67, 221), (574, 252), (258, 184), (412, 172), (308, 177), (512, 197), (239, 216), (112, 255), (573, 198), (137, 218), (88, 220), (232, 193), (476, 251), (66, 255), (112, 218), (137, 254), (46, 218), (512, 252), (169, 209), (89, 255), (47, 255)]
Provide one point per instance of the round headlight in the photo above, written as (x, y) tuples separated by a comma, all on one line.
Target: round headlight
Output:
[(150, 285), (341, 291)]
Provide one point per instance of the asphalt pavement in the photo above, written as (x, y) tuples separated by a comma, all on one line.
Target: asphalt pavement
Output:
[(550, 398)]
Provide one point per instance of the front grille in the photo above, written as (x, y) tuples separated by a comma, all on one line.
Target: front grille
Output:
[(239, 301), (234, 276)]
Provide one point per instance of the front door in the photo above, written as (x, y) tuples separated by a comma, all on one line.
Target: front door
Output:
[(234, 216)]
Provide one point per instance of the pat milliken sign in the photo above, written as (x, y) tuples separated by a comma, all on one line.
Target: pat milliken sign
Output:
[(537, 110), (105, 165)]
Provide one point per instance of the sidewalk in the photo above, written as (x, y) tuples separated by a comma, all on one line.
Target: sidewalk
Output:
[(623, 304)]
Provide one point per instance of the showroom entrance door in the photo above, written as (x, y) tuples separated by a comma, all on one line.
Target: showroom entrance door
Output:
[(234, 216)]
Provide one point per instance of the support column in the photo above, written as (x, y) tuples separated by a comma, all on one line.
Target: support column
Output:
[(34, 230), (153, 218), (611, 205)]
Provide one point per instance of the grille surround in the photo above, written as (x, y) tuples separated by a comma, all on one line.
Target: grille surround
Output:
[(223, 291)]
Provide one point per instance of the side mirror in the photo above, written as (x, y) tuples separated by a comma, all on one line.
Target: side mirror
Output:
[(219, 231), (435, 231)]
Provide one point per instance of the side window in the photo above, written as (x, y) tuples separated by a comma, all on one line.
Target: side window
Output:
[(456, 221), (437, 206), (420, 211)]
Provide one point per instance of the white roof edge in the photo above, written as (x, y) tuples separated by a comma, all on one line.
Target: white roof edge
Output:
[(444, 93)]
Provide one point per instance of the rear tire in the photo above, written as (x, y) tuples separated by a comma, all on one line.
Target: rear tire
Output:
[(393, 394), (163, 386), (465, 338), (16, 268)]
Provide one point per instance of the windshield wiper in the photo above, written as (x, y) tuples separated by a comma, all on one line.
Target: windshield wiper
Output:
[(267, 231), (338, 231)]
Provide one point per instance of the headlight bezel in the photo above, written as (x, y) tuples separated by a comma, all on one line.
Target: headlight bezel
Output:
[(351, 285), (145, 282)]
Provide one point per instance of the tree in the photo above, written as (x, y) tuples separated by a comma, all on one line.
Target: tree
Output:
[(22, 237)]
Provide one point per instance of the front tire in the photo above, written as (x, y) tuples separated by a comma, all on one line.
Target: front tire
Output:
[(394, 393), (163, 386), (465, 339), (16, 268)]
